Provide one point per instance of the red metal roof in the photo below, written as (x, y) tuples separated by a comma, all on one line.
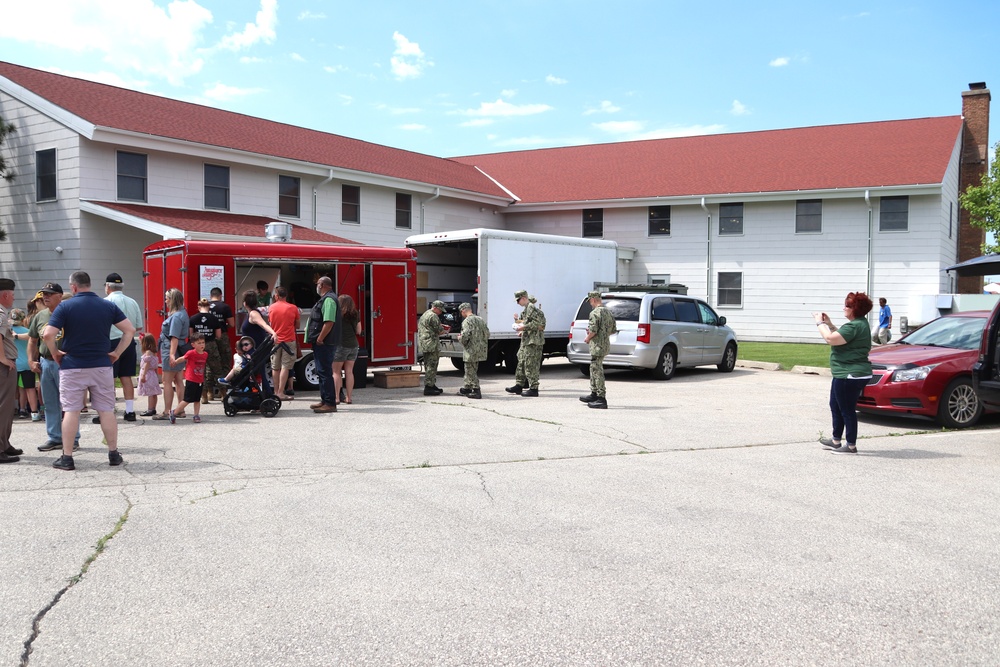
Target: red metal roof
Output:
[(218, 222), (902, 152), (122, 109)]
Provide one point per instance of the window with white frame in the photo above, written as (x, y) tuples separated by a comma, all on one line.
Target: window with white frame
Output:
[(730, 288), (657, 278), (809, 216), (289, 188), (45, 175), (593, 223), (132, 176), (350, 203), (894, 214), (659, 221), (217, 187), (730, 219), (404, 211)]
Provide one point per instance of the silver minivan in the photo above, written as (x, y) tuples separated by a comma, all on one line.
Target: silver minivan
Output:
[(657, 331)]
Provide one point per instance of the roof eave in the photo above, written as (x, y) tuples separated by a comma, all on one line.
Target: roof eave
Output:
[(42, 105)]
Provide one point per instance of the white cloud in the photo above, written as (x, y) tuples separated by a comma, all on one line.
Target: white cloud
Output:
[(606, 107), (333, 69), (220, 92), (261, 30), (135, 34), (780, 62), (297, 58), (505, 109), (739, 109), (555, 81), (408, 61), (250, 60), (508, 93), (346, 100), (308, 15), (413, 127), (397, 111), (634, 130)]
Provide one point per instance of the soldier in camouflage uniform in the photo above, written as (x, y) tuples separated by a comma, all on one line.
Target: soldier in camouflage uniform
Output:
[(429, 329), (531, 328), (475, 343), (599, 330)]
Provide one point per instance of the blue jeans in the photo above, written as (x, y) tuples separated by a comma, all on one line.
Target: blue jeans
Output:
[(50, 394), (844, 395), (323, 360)]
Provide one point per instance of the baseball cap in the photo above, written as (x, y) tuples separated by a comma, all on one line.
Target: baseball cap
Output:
[(594, 295), (438, 304), (114, 279), (51, 288), (465, 306), (6, 284), (520, 294)]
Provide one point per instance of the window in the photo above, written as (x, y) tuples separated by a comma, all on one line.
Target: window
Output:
[(288, 196), (45, 175), (350, 206), (663, 309), (687, 311), (216, 187), (893, 214), (658, 278), (730, 219), (730, 289), (404, 211), (659, 221), (808, 216), (131, 176), (593, 222), (708, 315)]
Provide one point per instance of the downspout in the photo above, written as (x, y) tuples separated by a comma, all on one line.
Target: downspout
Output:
[(437, 193), (708, 254), (871, 246), (315, 195)]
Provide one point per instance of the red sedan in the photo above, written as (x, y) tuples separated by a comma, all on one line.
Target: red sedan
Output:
[(928, 372)]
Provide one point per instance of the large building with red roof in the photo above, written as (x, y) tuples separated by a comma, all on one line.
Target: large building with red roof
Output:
[(769, 225)]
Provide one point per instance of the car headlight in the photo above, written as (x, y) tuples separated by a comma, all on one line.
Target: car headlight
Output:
[(911, 374)]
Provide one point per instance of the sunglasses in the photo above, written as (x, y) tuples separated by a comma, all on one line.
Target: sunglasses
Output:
[(246, 346)]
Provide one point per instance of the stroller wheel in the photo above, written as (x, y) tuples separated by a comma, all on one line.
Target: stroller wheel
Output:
[(228, 407), (269, 407)]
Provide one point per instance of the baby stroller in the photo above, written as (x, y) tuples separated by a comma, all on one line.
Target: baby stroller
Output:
[(250, 389)]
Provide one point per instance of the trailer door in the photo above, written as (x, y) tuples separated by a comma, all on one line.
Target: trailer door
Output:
[(162, 271), (388, 331)]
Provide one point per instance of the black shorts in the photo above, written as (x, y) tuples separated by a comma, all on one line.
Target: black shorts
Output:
[(27, 379), (192, 391), (125, 366)]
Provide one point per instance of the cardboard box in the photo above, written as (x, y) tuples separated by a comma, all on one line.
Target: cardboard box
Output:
[(396, 379)]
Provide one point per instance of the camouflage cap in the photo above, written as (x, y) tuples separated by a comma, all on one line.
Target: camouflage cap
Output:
[(465, 306), (438, 304), (520, 294), (593, 294)]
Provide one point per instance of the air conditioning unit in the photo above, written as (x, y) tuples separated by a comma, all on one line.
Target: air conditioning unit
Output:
[(278, 232)]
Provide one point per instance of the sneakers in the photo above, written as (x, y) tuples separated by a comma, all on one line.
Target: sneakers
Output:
[(13, 451), (589, 397), (64, 463), (96, 420), (600, 403), (223, 382), (130, 416), (7, 458), (845, 449), (530, 392), (173, 417), (36, 417), (828, 442), (431, 390), (196, 419), (516, 389), (115, 458), (49, 446), (147, 413)]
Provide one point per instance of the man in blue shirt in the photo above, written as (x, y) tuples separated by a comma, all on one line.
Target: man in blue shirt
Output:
[(882, 335), (85, 363)]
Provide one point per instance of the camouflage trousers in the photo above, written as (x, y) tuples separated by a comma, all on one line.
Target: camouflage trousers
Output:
[(471, 375), (214, 369), (225, 354), (597, 376), (529, 365), (431, 368)]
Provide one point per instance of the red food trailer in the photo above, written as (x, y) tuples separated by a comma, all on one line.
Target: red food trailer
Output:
[(382, 282)]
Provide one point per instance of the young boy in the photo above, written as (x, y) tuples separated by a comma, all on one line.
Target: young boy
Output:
[(194, 377)]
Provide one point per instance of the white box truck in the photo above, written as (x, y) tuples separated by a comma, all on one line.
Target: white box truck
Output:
[(487, 266)]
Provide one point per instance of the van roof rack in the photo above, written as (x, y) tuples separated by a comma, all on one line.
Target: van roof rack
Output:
[(659, 288)]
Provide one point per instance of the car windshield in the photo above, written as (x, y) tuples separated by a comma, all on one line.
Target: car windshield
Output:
[(963, 333)]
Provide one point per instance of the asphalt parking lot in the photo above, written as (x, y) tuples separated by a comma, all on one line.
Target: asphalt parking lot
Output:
[(695, 521)]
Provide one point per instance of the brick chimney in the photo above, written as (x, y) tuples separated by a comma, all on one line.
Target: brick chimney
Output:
[(975, 153)]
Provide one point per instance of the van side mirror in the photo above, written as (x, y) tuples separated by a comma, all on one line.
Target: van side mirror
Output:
[(722, 320)]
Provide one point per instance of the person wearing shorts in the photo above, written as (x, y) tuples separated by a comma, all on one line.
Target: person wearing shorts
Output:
[(124, 368), (85, 363), (284, 319), (193, 362)]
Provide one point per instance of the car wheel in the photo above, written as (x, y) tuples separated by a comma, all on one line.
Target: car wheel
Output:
[(728, 359), (585, 370), (458, 363), (666, 365), (305, 374), (959, 406)]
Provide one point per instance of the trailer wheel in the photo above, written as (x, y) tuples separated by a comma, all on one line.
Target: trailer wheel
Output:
[(306, 377)]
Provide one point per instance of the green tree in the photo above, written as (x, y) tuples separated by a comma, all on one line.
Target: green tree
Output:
[(6, 172), (983, 203)]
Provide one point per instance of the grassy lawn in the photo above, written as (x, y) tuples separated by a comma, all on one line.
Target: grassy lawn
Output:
[(787, 354)]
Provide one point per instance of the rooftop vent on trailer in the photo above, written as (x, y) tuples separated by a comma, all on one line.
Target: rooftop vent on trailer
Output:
[(278, 232)]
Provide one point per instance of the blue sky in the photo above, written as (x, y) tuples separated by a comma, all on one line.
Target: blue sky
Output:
[(475, 76)]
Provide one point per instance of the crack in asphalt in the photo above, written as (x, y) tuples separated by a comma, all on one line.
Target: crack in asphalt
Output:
[(36, 624), (482, 482)]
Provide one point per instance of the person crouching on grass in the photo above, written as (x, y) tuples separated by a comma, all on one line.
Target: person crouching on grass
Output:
[(194, 377)]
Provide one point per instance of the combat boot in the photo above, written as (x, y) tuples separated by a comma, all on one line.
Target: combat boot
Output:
[(431, 390), (600, 403), (516, 389), (589, 397), (475, 393), (465, 391), (529, 392)]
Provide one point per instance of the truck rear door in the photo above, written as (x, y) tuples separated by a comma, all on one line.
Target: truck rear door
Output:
[(389, 331), (163, 270)]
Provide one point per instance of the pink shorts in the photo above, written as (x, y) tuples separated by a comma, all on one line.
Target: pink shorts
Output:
[(73, 382)]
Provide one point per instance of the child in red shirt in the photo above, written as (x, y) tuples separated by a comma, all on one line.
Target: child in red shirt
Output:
[(194, 377)]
